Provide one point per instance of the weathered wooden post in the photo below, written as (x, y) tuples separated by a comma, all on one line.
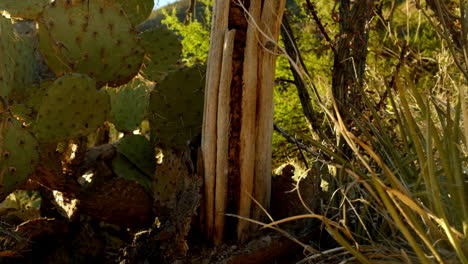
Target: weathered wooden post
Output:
[(238, 117)]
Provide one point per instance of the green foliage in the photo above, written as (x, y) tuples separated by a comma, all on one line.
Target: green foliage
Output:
[(196, 34), (288, 115), (401, 173)]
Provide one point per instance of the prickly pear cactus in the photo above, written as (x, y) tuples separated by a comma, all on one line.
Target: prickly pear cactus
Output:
[(93, 37), (71, 107), (8, 56), (163, 50), (26, 109), (169, 179), (129, 105), (29, 9), (137, 10), (176, 107), (19, 154), (25, 68), (53, 64)]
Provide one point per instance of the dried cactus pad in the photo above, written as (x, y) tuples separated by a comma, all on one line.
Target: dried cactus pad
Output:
[(129, 105), (169, 178), (8, 56), (176, 107), (163, 50), (29, 9), (19, 154), (137, 10), (71, 107), (92, 37)]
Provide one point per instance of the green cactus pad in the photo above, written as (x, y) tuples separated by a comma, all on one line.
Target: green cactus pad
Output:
[(91, 37), (19, 154), (8, 55), (163, 50), (17, 61), (25, 68), (138, 151), (71, 107), (129, 105), (176, 107), (29, 9), (22, 112), (124, 169), (137, 10), (26, 111), (36, 94)]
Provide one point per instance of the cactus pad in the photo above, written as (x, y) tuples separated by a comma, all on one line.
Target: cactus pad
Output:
[(92, 37), (25, 68), (129, 104), (19, 154), (71, 107), (138, 151), (26, 111), (137, 10), (29, 9), (176, 107), (163, 50), (124, 169), (169, 178), (8, 55)]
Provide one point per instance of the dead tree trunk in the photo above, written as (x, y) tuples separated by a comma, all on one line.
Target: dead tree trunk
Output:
[(238, 118)]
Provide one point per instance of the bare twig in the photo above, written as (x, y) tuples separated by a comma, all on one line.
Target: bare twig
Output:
[(295, 141), (321, 27), (392, 82), (292, 51)]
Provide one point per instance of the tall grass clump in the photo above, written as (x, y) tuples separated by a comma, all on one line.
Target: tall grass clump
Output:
[(402, 195)]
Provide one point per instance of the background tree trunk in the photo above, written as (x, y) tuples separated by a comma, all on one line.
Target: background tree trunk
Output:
[(351, 53), (350, 59), (238, 118)]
